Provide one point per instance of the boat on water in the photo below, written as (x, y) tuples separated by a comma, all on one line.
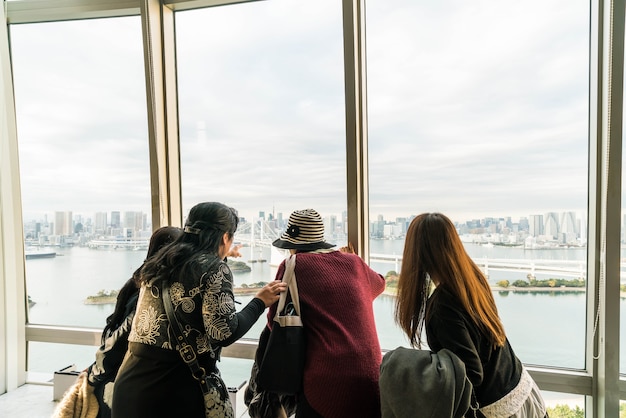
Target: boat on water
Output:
[(31, 254)]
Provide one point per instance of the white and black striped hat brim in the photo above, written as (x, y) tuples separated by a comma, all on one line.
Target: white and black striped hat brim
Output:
[(305, 231)]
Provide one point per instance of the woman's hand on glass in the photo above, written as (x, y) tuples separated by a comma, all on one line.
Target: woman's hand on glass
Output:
[(270, 293)]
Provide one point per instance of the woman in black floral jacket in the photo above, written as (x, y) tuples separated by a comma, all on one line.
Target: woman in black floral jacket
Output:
[(153, 380)]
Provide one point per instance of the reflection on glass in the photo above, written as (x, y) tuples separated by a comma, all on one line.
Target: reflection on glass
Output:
[(262, 124), (492, 131), (83, 149)]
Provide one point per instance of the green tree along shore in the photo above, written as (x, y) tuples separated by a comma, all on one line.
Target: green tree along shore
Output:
[(531, 283), (566, 411), (102, 297)]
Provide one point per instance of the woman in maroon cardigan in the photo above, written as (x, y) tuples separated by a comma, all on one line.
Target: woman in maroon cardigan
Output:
[(336, 290)]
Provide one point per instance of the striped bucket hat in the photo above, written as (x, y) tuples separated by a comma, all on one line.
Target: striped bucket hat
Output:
[(305, 232)]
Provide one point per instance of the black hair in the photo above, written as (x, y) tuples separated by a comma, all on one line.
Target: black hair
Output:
[(160, 238), (205, 226)]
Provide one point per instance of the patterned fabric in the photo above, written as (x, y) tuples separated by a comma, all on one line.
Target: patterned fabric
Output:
[(79, 401), (204, 307), (513, 401), (217, 402)]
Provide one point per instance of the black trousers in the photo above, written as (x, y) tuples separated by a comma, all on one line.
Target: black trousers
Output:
[(304, 410), (156, 383)]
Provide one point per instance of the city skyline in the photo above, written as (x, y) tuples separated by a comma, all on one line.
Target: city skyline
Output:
[(117, 219), (492, 125)]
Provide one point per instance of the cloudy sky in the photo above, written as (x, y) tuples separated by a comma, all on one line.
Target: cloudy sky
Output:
[(474, 109)]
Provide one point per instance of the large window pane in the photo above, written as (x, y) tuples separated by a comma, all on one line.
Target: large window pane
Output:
[(83, 148), (480, 111), (262, 123)]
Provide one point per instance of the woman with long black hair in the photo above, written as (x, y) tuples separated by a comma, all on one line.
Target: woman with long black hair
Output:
[(154, 380)]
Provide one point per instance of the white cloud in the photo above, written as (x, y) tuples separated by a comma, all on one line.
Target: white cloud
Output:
[(474, 107)]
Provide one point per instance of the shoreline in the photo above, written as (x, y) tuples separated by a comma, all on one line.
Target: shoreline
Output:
[(101, 300), (111, 300), (389, 291)]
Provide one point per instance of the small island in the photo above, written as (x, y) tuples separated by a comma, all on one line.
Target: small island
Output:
[(102, 298), (531, 284), (248, 289), (238, 266)]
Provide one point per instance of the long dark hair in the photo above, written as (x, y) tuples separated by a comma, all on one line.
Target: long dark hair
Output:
[(160, 238), (433, 249), (205, 226)]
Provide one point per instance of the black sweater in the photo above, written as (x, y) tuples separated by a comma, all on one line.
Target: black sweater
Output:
[(493, 372)]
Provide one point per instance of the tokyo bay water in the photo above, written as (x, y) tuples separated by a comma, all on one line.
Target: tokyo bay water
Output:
[(545, 328)]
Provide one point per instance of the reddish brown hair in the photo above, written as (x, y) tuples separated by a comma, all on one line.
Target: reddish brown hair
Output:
[(433, 249)]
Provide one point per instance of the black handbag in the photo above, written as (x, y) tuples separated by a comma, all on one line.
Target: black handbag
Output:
[(282, 366), (261, 403)]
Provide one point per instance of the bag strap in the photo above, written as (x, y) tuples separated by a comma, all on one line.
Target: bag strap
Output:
[(289, 277), (185, 349)]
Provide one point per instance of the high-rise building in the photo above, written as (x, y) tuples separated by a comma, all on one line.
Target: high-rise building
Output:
[(101, 223), (377, 227), (403, 224), (115, 220), (570, 225), (133, 221), (535, 225), (280, 222), (63, 224), (331, 225), (524, 224), (551, 225)]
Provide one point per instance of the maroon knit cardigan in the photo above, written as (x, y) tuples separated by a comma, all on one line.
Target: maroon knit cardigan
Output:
[(343, 352)]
